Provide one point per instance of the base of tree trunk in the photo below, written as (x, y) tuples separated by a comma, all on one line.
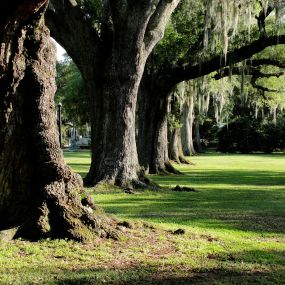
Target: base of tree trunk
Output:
[(183, 160), (165, 169), (142, 182), (59, 213)]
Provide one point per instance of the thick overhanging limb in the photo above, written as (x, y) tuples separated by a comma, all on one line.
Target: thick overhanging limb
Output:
[(266, 61), (64, 19), (157, 23), (253, 71), (190, 71), (249, 70)]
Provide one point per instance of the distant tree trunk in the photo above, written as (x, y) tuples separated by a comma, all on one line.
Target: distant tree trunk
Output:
[(175, 144), (160, 162), (129, 32), (274, 113), (175, 147), (262, 113), (256, 112), (147, 117), (197, 135), (152, 139), (39, 194), (187, 127)]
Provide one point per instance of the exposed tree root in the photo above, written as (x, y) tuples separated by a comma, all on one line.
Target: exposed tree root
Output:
[(183, 160)]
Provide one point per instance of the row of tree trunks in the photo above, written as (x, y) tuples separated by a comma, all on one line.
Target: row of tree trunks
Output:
[(144, 22), (39, 194)]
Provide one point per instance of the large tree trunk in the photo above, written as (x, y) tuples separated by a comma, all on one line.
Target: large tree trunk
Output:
[(129, 32), (187, 127), (39, 194), (114, 156)]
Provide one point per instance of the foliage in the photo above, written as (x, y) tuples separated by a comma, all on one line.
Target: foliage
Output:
[(246, 135), (71, 92), (241, 135), (208, 131), (93, 9), (183, 34)]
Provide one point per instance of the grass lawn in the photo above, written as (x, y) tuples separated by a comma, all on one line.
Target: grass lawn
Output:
[(234, 223)]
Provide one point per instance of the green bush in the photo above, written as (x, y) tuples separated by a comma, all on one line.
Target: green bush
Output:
[(247, 135)]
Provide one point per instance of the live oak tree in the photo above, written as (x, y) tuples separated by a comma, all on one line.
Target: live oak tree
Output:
[(39, 194), (110, 45)]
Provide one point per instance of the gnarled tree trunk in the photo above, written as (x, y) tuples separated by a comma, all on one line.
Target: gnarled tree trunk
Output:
[(114, 156), (39, 194)]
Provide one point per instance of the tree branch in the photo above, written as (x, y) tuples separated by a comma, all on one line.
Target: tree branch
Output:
[(189, 71), (71, 28), (254, 71), (262, 17), (267, 61), (252, 68), (157, 23)]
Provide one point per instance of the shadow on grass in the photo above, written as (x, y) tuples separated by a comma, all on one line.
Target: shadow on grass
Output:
[(219, 177), (257, 211), (227, 273), (248, 200), (207, 278)]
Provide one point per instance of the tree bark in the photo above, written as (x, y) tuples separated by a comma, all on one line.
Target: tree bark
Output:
[(175, 144), (197, 136), (39, 194), (175, 147), (187, 127), (152, 139)]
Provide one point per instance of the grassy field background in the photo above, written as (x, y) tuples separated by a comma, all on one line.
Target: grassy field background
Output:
[(234, 230)]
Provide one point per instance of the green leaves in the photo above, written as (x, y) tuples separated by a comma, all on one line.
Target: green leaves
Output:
[(72, 93)]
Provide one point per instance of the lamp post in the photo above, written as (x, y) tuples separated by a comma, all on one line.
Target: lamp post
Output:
[(59, 106)]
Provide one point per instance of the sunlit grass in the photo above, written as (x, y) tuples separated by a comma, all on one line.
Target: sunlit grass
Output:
[(235, 226)]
